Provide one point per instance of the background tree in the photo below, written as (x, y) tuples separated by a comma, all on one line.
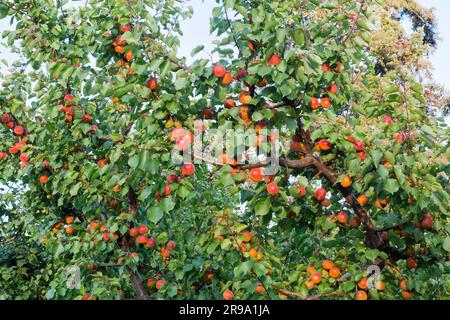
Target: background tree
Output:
[(99, 99)]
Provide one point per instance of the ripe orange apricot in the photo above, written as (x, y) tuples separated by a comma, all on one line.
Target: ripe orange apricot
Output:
[(252, 253), (380, 204), (160, 284), (257, 174), (361, 295), (228, 294), (309, 285), (310, 270), (332, 89), (274, 60), (334, 272), (129, 55), (325, 68), (380, 285), (43, 179), (403, 285), (325, 102), (407, 295), (69, 230), (125, 28), (362, 200), (243, 113), (346, 181), (119, 49), (314, 103), (152, 83), (245, 98), (247, 236), (327, 264), (150, 283), (260, 288), (69, 220), (363, 283), (101, 163), (167, 190), (219, 71), (273, 189), (316, 278), (342, 217), (227, 78)]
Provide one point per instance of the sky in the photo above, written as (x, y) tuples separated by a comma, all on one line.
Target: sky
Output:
[(196, 32)]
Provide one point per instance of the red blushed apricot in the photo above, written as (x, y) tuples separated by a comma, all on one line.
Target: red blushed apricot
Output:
[(219, 71), (260, 288), (361, 295), (160, 284), (314, 103), (228, 294), (230, 104), (256, 174), (247, 236), (316, 278)]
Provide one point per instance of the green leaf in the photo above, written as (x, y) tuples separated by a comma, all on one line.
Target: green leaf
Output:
[(133, 162), (262, 207), (446, 244), (180, 83), (155, 214), (197, 49), (3, 11), (391, 186)]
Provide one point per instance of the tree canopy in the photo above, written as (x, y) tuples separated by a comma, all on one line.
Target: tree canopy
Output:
[(98, 203)]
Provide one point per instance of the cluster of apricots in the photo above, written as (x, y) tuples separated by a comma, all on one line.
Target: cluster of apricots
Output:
[(119, 47), (359, 147), (158, 284), (139, 234), (183, 138), (20, 133), (95, 228), (322, 145), (399, 137), (69, 222), (330, 270), (405, 292), (226, 77), (69, 108), (246, 238), (363, 286), (325, 102)]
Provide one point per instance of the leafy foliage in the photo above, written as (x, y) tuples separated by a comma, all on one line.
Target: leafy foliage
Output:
[(92, 188)]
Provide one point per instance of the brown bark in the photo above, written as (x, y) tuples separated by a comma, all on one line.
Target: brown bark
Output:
[(138, 285)]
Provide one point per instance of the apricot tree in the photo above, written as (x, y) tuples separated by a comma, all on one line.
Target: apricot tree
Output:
[(96, 207)]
